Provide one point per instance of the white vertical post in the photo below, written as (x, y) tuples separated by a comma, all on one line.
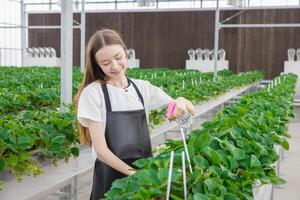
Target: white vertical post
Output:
[(23, 32), (184, 175), (50, 4), (66, 64), (170, 175), (82, 36), (216, 41)]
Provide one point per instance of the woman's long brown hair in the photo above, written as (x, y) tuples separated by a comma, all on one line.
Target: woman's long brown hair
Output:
[(93, 72)]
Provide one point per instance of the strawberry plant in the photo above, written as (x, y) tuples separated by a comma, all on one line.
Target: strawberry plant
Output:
[(31, 127), (229, 154)]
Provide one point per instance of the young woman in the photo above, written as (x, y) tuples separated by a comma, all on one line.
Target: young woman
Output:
[(113, 110)]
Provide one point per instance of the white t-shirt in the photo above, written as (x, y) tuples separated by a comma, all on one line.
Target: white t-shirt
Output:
[(91, 105)]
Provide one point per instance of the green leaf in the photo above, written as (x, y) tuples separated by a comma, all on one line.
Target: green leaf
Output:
[(231, 196), (56, 148), (2, 164), (155, 192), (277, 181), (235, 132), (201, 162), (254, 161), (24, 139), (199, 196), (4, 133), (45, 136), (12, 138), (215, 158), (120, 183), (163, 175), (147, 177), (233, 163), (238, 154), (59, 139), (75, 151), (12, 160), (203, 141), (23, 155), (285, 145), (174, 197), (211, 183), (24, 142), (141, 162)]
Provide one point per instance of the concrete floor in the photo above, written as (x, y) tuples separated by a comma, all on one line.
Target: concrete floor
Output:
[(289, 166)]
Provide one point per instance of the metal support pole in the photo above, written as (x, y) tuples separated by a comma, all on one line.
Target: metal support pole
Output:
[(66, 51), (50, 4), (216, 41), (77, 4), (23, 32), (82, 36), (287, 25)]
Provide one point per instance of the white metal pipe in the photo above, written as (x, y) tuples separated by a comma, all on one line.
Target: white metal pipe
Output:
[(23, 32), (216, 40), (66, 51), (186, 149), (36, 27), (76, 22), (233, 16), (176, 9), (170, 175), (184, 176), (82, 36), (50, 4), (48, 27), (40, 3), (259, 25), (8, 23), (13, 49), (15, 1), (6, 27)]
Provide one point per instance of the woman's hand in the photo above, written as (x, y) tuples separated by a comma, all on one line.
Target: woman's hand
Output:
[(183, 106)]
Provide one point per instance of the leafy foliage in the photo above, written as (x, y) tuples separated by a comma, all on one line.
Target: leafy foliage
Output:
[(229, 154), (32, 127)]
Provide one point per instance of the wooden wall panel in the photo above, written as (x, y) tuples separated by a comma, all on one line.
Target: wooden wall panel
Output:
[(161, 39), (51, 37)]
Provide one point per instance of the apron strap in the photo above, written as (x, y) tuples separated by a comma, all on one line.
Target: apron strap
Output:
[(106, 96), (137, 91)]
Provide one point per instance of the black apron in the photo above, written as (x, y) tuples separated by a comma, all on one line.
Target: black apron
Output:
[(127, 136)]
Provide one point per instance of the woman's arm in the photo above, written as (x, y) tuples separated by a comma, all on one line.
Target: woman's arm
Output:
[(158, 98), (103, 152)]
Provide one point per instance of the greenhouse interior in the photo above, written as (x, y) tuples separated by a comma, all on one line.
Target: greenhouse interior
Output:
[(149, 99)]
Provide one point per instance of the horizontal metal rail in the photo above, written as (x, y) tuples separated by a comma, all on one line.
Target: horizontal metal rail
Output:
[(259, 25)]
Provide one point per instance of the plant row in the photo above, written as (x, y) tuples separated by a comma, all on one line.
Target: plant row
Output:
[(28, 133), (229, 155), (37, 87)]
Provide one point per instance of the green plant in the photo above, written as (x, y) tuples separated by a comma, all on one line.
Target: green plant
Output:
[(228, 155)]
